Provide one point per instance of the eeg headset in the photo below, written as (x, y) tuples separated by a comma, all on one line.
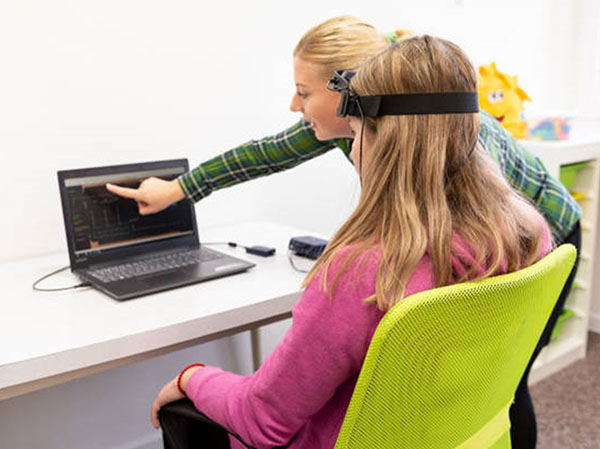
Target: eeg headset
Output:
[(398, 104)]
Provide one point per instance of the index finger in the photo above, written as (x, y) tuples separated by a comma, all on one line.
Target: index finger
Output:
[(125, 192)]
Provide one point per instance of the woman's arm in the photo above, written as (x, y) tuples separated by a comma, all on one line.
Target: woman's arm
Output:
[(527, 174), (248, 161), (257, 158)]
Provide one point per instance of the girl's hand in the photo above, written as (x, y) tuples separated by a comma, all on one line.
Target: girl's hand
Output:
[(168, 393)]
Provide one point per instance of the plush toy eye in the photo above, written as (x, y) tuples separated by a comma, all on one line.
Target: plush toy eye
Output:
[(499, 95), (492, 96)]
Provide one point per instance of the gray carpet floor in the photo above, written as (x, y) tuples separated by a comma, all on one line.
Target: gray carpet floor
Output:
[(567, 404)]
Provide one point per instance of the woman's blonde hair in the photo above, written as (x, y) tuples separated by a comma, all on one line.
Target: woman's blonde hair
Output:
[(343, 42), (428, 181)]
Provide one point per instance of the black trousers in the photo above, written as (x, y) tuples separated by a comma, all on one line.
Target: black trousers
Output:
[(185, 427), (523, 430)]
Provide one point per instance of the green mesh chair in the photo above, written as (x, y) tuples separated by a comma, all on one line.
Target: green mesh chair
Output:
[(444, 364)]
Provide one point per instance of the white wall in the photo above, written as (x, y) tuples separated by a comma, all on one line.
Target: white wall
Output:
[(91, 83)]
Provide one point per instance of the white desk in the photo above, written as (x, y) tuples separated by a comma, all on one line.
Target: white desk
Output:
[(51, 338)]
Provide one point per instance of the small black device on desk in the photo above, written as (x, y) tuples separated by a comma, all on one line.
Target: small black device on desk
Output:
[(307, 246), (258, 250)]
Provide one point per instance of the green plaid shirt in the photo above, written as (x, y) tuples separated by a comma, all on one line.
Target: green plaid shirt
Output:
[(297, 144)]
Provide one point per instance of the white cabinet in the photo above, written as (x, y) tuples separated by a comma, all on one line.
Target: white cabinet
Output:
[(570, 344)]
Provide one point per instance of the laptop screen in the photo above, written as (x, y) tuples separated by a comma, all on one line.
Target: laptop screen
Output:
[(101, 224)]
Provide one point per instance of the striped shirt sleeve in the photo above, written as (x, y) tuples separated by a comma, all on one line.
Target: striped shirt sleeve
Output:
[(257, 158), (527, 174)]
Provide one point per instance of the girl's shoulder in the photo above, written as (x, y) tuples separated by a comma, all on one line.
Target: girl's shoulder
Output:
[(352, 271), (354, 261)]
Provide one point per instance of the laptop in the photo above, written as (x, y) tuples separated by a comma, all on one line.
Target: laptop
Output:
[(125, 254)]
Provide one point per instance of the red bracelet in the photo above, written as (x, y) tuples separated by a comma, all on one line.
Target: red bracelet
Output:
[(181, 375)]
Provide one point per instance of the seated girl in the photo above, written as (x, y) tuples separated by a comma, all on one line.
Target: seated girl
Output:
[(434, 210)]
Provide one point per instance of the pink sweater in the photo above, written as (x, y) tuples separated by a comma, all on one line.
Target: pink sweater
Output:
[(303, 388)]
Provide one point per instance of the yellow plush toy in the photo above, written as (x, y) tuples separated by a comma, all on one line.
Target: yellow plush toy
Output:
[(500, 95)]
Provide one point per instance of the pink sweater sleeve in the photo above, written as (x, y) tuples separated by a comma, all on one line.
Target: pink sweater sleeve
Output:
[(325, 345)]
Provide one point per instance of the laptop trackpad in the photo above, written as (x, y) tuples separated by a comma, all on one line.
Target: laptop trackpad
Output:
[(191, 274), (180, 276)]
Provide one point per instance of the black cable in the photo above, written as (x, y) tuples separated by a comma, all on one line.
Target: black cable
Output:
[(291, 259), (462, 165), (362, 131), (257, 250), (46, 276), (232, 244)]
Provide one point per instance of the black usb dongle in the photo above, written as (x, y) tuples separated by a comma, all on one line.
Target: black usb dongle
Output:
[(263, 251)]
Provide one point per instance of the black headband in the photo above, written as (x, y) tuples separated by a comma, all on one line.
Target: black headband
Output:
[(399, 104)]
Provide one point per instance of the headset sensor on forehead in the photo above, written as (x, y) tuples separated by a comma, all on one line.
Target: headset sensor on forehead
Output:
[(398, 104)]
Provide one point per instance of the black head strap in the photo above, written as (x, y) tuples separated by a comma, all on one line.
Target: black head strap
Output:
[(399, 104)]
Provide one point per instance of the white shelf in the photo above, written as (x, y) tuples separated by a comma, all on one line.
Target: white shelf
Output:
[(571, 344), (586, 225), (580, 284), (557, 355)]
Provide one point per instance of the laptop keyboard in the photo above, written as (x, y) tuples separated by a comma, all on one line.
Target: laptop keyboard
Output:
[(152, 265)]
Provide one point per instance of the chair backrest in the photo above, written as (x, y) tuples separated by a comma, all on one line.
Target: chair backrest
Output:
[(444, 364)]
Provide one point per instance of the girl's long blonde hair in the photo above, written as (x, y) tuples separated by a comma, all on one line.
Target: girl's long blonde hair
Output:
[(428, 180), (343, 42)]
